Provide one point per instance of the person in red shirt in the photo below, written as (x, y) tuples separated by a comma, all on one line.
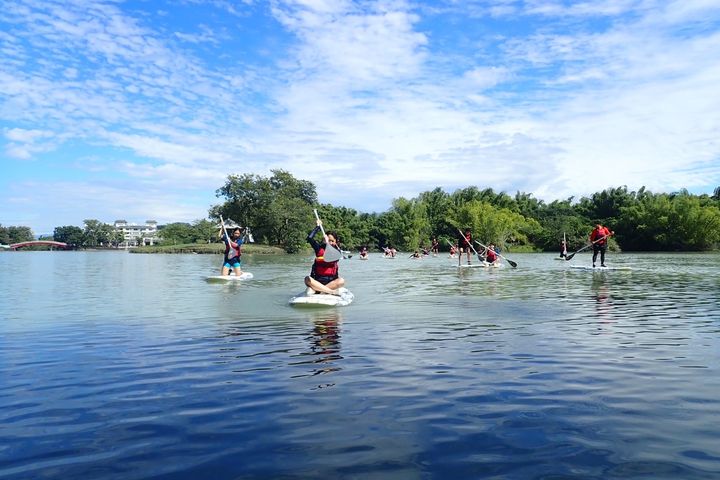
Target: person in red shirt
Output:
[(599, 237), (490, 254), (465, 243)]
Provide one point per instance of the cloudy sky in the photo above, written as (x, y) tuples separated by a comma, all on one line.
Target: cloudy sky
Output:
[(137, 110)]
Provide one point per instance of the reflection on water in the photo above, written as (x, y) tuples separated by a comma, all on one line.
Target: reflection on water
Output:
[(110, 368), (323, 355)]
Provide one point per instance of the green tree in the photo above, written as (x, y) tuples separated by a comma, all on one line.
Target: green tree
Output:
[(69, 234), (412, 229), (17, 234), (96, 233), (204, 231), (500, 226), (279, 208), (177, 233), (437, 205)]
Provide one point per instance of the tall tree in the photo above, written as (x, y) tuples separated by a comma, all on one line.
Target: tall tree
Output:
[(279, 208), (69, 234)]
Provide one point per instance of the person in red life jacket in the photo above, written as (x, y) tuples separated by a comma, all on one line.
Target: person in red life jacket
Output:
[(490, 254), (233, 244), (435, 247), (323, 276), (599, 237), (465, 244)]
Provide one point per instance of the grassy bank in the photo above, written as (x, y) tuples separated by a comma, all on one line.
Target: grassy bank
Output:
[(211, 248)]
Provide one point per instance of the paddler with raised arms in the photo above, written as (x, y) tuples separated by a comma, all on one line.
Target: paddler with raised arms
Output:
[(324, 277), (233, 249)]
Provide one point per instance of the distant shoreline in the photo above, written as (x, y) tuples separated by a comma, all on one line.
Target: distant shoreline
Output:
[(207, 248)]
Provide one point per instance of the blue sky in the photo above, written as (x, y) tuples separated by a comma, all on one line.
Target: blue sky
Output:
[(139, 110)]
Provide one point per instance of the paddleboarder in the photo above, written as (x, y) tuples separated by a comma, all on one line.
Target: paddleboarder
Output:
[(465, 244), (599, 237), (233, 246), (324, 276)]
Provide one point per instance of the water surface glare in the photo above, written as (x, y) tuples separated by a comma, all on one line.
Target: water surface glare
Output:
[(124, 366)]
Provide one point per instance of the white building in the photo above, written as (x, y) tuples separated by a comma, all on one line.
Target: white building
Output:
[(137, 235)]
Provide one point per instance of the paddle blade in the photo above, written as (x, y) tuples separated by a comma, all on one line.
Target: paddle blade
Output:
[(512, 264), (569, 257), (332, 254)]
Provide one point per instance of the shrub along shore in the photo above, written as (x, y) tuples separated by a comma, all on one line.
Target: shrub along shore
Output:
[(211, 248)]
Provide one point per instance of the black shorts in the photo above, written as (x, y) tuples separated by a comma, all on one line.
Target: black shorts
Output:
[(324, 279)]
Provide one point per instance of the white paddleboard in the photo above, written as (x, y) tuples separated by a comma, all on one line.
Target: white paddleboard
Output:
[(481, 265), (230, 278), (323, 299), (601, 269)]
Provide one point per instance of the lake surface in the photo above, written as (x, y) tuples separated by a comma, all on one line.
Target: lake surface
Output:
[(126, 366)]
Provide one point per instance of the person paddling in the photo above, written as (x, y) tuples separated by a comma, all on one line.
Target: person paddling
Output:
[(599, 237), (465, 243), (435, 246), (490, 254), (233, 245), (324, 276)]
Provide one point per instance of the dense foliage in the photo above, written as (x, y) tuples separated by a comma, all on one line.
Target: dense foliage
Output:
[(279, 209), (15, 234), (95, 234)]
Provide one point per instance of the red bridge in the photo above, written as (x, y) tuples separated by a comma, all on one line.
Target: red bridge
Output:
[(49, 243)]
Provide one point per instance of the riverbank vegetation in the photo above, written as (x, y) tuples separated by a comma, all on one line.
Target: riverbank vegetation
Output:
[(279, 211), (206, 248)]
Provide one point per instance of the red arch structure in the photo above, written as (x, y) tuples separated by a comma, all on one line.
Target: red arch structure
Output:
[(49, 243)]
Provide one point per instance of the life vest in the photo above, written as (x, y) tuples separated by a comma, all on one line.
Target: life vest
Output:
[(323, 268), (491, 256), (230, 251), (596, 234)]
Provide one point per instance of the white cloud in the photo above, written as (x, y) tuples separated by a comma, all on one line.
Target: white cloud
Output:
[(362, 100)]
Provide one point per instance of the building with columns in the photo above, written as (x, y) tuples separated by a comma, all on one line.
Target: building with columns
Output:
[(137, 235)]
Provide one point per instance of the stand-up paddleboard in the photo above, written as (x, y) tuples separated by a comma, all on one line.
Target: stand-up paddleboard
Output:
[(230, 278), (481, 265), (323, 299), (601, 269)]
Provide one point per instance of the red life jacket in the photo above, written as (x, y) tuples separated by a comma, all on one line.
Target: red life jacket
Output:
[(599, 233), (491, 256), (323, 268)]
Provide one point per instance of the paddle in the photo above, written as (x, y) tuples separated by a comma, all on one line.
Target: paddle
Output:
[(512, 264), (227, 237), (480, 258), (569, 257), (331, 254)]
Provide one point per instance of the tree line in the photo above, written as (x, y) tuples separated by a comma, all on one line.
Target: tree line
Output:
[(98, 234), (279, 210)]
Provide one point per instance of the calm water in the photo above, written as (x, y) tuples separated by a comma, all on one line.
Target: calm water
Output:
[(123, 366)]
